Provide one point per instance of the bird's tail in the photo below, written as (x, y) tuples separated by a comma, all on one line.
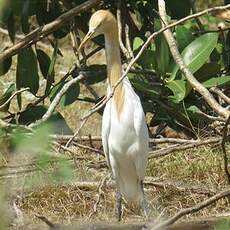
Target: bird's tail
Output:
[(130, 186)]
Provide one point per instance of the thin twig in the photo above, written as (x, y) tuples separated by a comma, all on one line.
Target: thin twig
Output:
[(47, 29), (195, 208), (119, 25), (56, 100), (225, 133), (13, 95), (220, 94), (128, 44), (145, 45), (189, 76), (178, 147)]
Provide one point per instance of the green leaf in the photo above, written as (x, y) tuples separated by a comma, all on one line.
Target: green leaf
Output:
[(178, 87), (137, 43), (69, 97), (217, 81), (44, 62), (6, 96), (57, 122), (50, 74), (27, 70), (163, 54), (25, 17), (207, 70), (5, 65), (178, 9), (11, 26), (197, 53), (95, 73), (183, 36)]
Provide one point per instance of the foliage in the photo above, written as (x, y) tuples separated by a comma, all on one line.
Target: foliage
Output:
[(164, 91)]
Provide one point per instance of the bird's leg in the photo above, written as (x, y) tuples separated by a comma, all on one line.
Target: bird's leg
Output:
[(144, 203), (118, 205)]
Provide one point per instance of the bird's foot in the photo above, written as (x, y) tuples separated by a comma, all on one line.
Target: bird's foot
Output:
[(118, 205)]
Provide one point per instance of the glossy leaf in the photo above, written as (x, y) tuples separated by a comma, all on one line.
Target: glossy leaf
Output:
[(7, 94), (137, 43), (95, 73), (5, 65), (25, 17), (217, 81), (44, 62), (69, 97), (178, 9), (148, 60), (197, 53), (178, 87), (11, 26), (163, 54), (184, 37), (27, 70), (35, 113)]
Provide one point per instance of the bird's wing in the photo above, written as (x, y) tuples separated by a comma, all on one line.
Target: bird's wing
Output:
[(106, 130), (143, 138)]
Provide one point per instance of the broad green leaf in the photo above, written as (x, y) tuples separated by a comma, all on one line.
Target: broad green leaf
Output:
[(197, 53), (95, 73), (183, 36), (18, 5), (7, 94), (57, 122), (137, 43), (178, 87), (25, 17), (50, 74), (207, 70), (27, 70), (5, 65), (44, 62), (163, 54), (11, 26), (69, 97), (178, 9), (217, 81)]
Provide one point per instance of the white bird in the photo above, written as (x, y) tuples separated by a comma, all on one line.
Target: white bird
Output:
[(124, 130)]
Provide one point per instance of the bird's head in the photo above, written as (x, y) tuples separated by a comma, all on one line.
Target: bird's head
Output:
[(101, 22)]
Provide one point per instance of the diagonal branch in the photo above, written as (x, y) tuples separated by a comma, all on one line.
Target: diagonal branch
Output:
[(195, 208), (47, 29), (196, 85)]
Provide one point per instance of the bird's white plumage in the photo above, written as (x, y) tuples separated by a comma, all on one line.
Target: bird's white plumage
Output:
[(125, 142), (124, 130)]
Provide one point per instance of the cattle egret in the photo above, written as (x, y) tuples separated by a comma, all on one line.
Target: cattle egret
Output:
[(124, 130)]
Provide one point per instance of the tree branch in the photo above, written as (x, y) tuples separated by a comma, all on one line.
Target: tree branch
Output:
[(195, 208), (189, 76), (47, 29)]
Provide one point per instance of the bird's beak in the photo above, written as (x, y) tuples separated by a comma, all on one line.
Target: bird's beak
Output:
[(87, 37)]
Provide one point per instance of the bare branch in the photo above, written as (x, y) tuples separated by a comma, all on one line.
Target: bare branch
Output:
[(12, 96), (57, 99), (189, 76), (220, 93), (195, 208), (178, 147), (47, 29)]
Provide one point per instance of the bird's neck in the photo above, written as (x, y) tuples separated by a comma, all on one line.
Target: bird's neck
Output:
[(114, 69)]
